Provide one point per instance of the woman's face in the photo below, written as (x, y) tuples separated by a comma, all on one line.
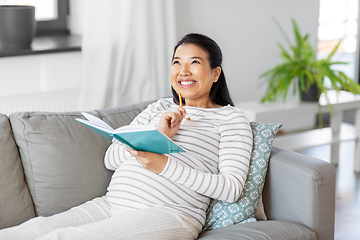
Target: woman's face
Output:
[(192, 76)]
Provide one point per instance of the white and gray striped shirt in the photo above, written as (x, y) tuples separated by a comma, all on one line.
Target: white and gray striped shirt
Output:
[(218, 144)]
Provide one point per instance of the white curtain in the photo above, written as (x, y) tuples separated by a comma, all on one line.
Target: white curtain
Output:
[(127, 48)]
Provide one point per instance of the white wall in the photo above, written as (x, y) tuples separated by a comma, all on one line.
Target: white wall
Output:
[(44, 82), (245, 31), (39, 73)]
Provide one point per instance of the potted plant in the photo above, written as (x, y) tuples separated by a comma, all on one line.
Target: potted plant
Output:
[(304, 72), (17, 27)]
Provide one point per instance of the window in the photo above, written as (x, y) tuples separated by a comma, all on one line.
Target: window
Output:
[(51, 15), (338, 20)]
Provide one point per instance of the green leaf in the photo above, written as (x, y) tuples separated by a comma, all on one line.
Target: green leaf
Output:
[(285, 54), (333, 51)]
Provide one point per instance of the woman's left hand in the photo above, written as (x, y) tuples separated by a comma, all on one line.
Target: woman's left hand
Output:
[(153, 162)]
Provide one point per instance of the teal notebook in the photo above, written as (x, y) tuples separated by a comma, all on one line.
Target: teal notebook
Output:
[(141, 137)]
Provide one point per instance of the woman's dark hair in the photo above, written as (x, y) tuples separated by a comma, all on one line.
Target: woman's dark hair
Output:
[(219, 93)]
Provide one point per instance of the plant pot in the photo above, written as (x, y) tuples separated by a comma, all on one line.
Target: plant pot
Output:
[(17, 27), (312, 95)]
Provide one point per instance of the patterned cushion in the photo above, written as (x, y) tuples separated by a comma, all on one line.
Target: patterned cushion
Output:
[(222, 214)]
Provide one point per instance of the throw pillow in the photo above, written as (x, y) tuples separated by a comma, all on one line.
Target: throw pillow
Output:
[(63, 159), (222, 214)]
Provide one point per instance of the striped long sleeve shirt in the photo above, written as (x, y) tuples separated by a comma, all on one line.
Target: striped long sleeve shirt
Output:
[(218, 145)]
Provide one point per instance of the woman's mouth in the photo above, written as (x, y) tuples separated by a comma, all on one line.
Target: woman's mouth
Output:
[(187, 83)]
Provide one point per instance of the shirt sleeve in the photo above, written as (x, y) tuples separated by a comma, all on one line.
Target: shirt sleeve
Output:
[(116, 154), (234, 156)]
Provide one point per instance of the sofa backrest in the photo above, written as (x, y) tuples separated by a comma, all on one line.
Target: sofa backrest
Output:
[(62, 158), (16, 205)]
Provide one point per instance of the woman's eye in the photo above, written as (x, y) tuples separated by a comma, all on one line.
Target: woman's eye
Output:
[(195, 61), (176, 62)]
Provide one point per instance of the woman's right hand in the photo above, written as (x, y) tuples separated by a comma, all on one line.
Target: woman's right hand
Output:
[(170, 121)]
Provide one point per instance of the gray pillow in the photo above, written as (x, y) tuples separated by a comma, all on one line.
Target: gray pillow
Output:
[(62, 158), (16, 205)]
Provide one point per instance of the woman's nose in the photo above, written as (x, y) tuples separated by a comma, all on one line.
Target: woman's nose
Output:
[(185, 71)]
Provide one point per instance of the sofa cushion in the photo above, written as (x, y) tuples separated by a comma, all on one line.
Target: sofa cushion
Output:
[(62, 158), (261, 230), (222, 214), (16, 205)]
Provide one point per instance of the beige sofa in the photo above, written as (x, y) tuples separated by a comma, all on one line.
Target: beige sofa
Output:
[(49, 163)]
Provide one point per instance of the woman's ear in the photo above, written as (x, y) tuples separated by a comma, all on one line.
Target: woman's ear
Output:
[(216, 72)]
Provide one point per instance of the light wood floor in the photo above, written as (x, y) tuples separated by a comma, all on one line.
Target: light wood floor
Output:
[(347, 211)]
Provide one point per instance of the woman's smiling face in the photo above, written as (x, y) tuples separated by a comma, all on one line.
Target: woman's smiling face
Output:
[(192, 76)]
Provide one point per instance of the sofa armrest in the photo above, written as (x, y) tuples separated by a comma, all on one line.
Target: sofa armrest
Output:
[(301, 189)]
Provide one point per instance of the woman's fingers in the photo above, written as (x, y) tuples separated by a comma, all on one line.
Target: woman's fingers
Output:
[(151, 161), (180, 113), (171, 121), (183, 112)]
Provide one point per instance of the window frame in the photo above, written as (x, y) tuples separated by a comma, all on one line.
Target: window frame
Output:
[(57, 26)]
